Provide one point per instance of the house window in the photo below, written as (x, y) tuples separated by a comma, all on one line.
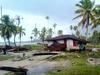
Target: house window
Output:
[(75, 43)]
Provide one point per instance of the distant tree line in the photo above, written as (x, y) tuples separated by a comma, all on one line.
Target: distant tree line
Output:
[(45, 33)]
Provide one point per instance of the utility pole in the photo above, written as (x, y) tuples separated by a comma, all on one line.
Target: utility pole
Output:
[(1, 12)]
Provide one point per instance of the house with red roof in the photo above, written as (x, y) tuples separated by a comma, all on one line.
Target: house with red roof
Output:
[(65, 42)]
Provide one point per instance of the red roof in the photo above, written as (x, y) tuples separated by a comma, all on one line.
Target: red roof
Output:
[(62, 37)]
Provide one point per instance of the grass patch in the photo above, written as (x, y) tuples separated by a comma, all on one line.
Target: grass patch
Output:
[(70, 56), (78, 66), (78, 70), (10, 73), (5, 57), (92, 46), (94, 54), (34, 47)]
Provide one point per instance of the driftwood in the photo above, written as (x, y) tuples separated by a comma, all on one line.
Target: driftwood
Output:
[(45, 53), (18, 71)]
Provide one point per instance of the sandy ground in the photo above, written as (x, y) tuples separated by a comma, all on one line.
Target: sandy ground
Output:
[(37, 66)]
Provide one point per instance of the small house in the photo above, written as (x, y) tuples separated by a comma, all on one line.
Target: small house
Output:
[(65, 42)]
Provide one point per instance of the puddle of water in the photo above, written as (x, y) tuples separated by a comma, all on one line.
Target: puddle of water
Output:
[(40, 70)]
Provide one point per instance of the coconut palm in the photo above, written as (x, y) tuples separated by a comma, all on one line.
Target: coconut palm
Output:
[(43, 34), (85, 12), (15, 32), (50, 33), (35, 31), (96, 22), (2, 33), (71, 28), (47, 18), (21, 32), (18, 18), (7, 28), (54, 26), (75, 28), (78, 33), (31, 37), (60, 32)]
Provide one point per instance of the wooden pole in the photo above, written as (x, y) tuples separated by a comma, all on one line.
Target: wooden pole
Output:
[(1, 12)]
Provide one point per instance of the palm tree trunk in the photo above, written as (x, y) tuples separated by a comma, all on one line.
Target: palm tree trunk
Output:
[(15, 40), (20, 41), (8, 41), (87, 26), (5, 41)]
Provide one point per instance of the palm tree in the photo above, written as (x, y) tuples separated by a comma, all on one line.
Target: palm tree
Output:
[(35, 32), (47, 18), (85, 11), (49, 32), (15, 33), (75, 28), (78, 33), (7, 28), (2, 33), (31, 37), (97, 16), (54, 26), (71, 28), (18, 18), (21, 33), (43, 34), (60, 32)]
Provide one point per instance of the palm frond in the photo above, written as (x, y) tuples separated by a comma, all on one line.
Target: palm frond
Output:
[(79, 11), (78, 16)]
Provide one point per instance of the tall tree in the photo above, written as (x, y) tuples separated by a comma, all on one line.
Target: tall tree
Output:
[(18, 18), (43, 34), (54, 26), (2, 32), (7, 27), (21, 32), (71, 28), (95, 38), (96, 22), (85, 12), (49, 33), (15, 32), (75, 28), (31, 37), (60, 32), (47, 18), (35, 31)]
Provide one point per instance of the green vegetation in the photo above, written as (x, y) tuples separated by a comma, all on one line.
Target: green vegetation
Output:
[(9, 73), (86, 9), (12, 73), (79, 64), (34, 47), (94, 55), (60, 32), (8, 29), (78, 70), (92, 46), (5, 57)]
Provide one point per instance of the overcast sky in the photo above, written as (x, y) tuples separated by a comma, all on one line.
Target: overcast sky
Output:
[(34, 12)]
